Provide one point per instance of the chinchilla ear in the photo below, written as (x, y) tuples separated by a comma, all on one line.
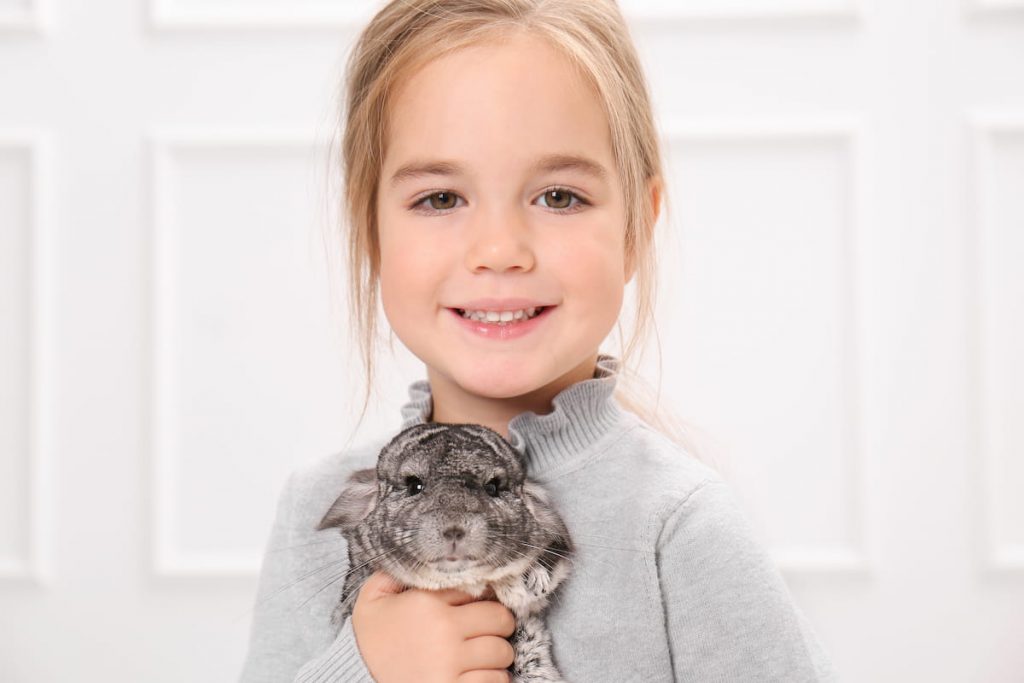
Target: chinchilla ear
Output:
[(538, 502), (356, 501)]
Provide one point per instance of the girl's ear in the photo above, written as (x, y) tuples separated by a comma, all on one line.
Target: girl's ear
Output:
[(656, 187), (356, 501)]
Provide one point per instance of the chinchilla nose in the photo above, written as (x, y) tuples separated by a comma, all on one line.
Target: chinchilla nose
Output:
[(454, 533)]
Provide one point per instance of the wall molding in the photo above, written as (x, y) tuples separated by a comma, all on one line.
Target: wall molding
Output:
[(313, 16), (34, 20), (169, 15), (994, 8), (676, 14), (848, 133), (167, 559), (36, 568), (983, 127)]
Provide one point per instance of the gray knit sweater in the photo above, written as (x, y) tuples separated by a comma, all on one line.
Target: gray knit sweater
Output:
[(669, 582)]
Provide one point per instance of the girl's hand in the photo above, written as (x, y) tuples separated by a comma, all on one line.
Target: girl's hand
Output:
[(446, 636)]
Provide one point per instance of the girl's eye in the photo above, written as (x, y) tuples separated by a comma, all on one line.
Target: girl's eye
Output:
[(444, 201), (562, 199), (557, 198)]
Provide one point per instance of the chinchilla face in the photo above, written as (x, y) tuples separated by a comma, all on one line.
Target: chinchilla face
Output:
[(449, 504)]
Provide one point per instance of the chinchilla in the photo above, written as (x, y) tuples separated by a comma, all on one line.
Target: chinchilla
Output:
[(450, 506)]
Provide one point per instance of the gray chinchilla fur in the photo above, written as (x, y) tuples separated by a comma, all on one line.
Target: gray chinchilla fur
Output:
[(449, 506)]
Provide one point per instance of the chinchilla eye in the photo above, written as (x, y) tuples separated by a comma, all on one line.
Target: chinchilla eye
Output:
[(492, 487), (413, 485)]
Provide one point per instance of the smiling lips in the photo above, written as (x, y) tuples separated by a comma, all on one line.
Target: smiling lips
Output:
[(503, 324), (502, 316), (500, 305)]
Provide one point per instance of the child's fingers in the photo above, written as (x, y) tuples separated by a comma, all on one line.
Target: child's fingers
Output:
[(381, 583), (454, 596)]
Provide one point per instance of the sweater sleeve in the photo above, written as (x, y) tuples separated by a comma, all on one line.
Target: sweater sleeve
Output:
[(287, 639), (728, 612)]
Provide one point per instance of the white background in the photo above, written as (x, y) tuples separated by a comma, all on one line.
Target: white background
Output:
[(841, 319)]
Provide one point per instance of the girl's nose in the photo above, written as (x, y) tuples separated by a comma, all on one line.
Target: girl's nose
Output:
[(500, 243)]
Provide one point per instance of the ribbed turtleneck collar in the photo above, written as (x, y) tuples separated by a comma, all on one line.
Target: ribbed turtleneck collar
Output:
[(583, 412)]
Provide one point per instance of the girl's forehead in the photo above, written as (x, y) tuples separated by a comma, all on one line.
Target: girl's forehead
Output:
[(525, 71), (519, 98)]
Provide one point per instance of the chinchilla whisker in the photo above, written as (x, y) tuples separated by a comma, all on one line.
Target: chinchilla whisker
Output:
[(499, 540), (576, 535), (529, 545), (304, 545), (577, 569), (303, 577), (601, 537), (545, 550), (377, 557), (584, 545), (555, 594), (604, 547), (418, 564), (521, 554), (403, 542), (296, 581), (334, 579), (340, 575), (322, 568), (266, 598)]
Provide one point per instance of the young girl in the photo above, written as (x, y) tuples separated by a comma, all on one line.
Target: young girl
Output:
[(503, 179)]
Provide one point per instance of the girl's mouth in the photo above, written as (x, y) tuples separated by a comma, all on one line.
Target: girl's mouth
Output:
[(507, 329)]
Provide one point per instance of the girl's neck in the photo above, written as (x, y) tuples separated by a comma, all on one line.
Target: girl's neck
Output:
[(454, 405)]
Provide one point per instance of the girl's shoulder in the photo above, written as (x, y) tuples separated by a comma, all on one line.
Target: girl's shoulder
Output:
[(645, 475), (689, 504), (671, 468)]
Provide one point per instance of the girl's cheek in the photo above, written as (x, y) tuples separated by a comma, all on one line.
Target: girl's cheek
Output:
[(412, 259), (588, 251)]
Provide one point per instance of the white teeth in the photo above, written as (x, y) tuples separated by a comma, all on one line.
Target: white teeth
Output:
[(501, 316)]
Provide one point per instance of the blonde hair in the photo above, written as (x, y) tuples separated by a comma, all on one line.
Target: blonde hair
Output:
[(407, 34)]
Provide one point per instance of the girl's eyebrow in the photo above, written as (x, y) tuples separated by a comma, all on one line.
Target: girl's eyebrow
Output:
[(548, 163)]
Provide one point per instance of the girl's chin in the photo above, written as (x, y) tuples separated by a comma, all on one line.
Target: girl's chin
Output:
[(490, 386)]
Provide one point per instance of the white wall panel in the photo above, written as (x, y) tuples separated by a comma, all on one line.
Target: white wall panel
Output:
[(737, 10), (999, 226), (25, 481), (996, 7), (328, 15), (266, 14), (21, 15), (765, 325), (240, 342)]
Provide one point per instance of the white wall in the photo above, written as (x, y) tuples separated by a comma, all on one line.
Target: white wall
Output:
[(842, 314)]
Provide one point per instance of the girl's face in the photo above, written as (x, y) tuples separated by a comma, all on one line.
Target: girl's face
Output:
[(468, 211)]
